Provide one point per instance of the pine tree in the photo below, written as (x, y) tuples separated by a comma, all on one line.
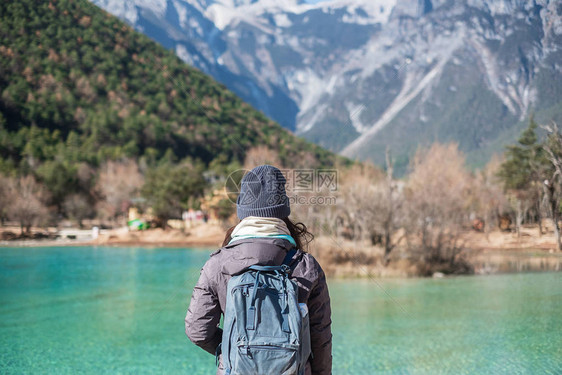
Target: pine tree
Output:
[(523, 174)]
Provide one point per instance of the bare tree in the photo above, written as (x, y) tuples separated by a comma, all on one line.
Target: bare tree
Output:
[(437, 192), (357, 206), (553, 180), (4, 197), (388, 218), (27, 202), (118, 183), (370, 206), (78, 207), (487, 198)]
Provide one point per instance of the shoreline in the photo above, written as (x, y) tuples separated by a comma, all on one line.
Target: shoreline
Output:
[(210, 236), (56, 243), (485, 261), (491, 253)]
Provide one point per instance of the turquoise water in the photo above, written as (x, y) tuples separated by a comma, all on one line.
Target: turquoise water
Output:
[(120, 311)]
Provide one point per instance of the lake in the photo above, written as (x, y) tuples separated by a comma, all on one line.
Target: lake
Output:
[(115, 310)]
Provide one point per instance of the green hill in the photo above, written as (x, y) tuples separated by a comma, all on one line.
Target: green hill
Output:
[(76, 81), (78, 87)]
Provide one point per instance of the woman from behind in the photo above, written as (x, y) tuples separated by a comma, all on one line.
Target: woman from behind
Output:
[(265, 237)]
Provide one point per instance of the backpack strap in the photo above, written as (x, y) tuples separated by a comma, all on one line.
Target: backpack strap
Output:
[(289, 257), (283, 267), (287, 264)]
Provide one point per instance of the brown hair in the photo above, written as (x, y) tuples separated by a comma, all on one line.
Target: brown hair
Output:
[(298, 231)]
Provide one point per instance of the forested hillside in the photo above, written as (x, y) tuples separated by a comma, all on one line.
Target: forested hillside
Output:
[(79, 88)]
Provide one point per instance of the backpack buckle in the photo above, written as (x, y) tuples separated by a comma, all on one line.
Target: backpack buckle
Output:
[(285, 268)]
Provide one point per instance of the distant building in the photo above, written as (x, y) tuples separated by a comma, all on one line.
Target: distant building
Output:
[(192, 218)]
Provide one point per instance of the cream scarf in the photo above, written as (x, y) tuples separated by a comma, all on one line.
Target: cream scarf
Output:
[(260, 227)]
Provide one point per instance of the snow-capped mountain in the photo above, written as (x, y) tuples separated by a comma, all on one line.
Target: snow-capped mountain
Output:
[(357, 76)]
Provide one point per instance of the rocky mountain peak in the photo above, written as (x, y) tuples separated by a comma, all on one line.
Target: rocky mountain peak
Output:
[(358, 75)]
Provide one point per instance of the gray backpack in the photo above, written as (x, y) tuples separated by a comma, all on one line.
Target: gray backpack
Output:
[(266, 331)]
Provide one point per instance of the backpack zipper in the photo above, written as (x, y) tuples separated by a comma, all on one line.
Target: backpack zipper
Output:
[(247, 349), (249, 286), (269, 347)]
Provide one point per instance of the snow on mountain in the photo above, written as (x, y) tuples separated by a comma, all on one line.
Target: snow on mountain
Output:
[(359, 75)]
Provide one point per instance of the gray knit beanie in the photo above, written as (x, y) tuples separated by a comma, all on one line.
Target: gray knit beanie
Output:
[(262, 194)]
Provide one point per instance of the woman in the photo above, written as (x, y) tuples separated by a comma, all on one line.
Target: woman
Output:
[(264, 236)]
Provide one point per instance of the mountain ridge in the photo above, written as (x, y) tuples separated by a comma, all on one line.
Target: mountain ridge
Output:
[(348, 75)]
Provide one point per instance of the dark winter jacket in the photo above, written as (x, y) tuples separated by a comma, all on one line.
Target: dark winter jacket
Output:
[(209, 296)]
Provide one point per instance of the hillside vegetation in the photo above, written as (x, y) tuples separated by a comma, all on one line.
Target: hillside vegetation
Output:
[(79, 89)]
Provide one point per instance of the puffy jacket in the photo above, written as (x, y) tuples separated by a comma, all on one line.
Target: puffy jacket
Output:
[(209, 296)]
